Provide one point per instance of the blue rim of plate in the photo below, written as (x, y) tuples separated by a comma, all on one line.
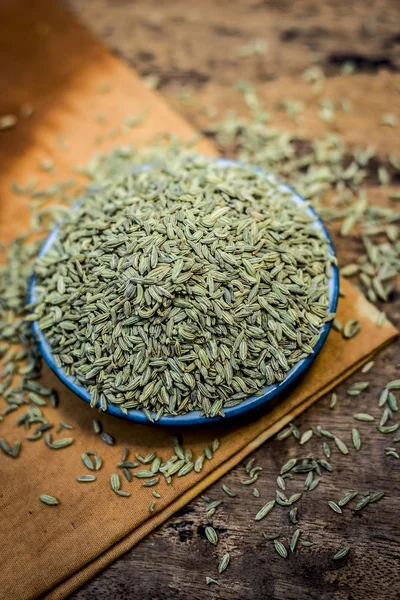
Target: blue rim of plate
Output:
[(250, 404)]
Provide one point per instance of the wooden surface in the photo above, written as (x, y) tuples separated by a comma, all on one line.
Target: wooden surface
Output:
[(195, 45)]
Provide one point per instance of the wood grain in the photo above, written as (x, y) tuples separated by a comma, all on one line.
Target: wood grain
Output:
[(195, 45)]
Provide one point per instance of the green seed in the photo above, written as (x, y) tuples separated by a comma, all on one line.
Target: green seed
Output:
[(57, 444), (198, 465), (308, 481), (349, 270), (115, 482), (326, 450), (364, 417), (306, 436), (281, 483), (294, 540), (355, 437), (49, 500), (376, 497), (350, 329), (211, 535), (382, 316), (388, 428), (326, 465), (146, 474), (347, 498), (271, 536), (128, 464), (224, 562), (327, 434), (107, 438), (280, 548), (313, 484), (87, 461), (363, 502), (383, 397), (97, 426), (249, 481), (228, 491), (151, 482), (393, 385), (333, 401), (86, 478), (341, 445), (264, 510), (368, 366), (293, 515), (122, 493), (335, 507), (7, 121), (282, 435), (341, 553), (288, 466), (294, 498), (215, 445)]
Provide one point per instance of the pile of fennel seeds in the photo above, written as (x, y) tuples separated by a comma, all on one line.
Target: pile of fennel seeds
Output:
[(184, 286)]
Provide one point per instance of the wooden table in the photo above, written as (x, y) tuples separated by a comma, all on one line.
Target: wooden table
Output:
[(194, 45)]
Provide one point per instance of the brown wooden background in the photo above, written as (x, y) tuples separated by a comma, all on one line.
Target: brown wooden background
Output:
[(193, 45)]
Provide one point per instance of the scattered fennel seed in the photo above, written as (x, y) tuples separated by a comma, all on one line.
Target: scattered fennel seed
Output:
[(224, 562), (347, 498), (333, 401), (49, 500), (228, 491), (341, 445), (335, 507), (350, 329), (293, 515), (363, 417), (389, 120), (86, 478), (7, 122), (263, 512), (356, 439), (211, 535), (341, 553), (280, 548), (306, 436), (288, 466), (294, 540), (362, 503)]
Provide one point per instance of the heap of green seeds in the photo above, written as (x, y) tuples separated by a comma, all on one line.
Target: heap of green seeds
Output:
[(186, 286)]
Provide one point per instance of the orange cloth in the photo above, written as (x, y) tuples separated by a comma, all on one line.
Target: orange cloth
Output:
[(51, 551)]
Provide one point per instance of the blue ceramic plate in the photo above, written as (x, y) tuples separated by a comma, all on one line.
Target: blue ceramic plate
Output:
[(195, 418)]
